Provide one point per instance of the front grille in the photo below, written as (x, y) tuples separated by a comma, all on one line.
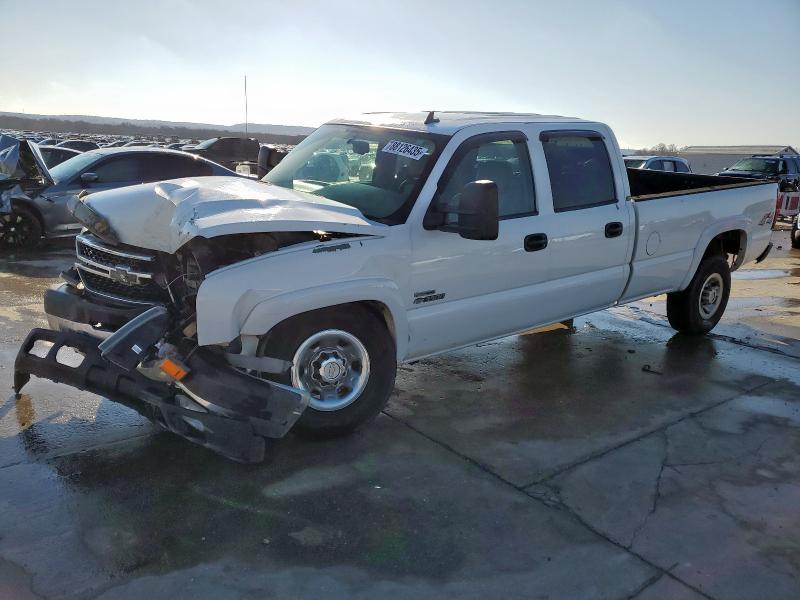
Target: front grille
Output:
[(117, 273), (144, 293), (106, 258)]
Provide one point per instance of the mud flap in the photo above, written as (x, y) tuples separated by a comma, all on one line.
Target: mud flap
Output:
[(217, 406)]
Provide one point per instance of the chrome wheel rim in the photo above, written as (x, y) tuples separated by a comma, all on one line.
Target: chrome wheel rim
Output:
[(711, 295), (333, 367)]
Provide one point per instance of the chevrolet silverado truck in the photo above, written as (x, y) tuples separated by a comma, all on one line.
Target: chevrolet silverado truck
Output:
[(230, 310)]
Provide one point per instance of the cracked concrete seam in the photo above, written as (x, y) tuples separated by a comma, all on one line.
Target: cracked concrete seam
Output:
[(600, 453), (555, 502), (57, 455)]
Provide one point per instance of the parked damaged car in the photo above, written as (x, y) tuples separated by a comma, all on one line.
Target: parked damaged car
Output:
[(232, 310), (35, 196)]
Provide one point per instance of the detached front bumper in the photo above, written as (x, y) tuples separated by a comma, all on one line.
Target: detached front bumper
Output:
[(216, 405), (69, 310)]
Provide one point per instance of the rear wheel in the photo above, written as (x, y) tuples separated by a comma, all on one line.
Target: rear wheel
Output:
[(344, 357), (794, 234), (19, 229), (699, 307)]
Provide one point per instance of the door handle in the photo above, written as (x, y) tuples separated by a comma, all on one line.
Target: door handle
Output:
[(613, 229), (535, 241)]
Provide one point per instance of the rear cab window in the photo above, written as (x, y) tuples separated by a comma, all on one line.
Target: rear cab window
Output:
[(580, 169)]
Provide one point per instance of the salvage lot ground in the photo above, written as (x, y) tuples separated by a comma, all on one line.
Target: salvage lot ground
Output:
[(617, 460)]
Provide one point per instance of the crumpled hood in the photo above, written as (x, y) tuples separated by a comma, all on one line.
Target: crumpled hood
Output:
[(164, 216)]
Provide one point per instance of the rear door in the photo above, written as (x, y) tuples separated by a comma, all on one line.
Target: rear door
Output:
[(591, 229)]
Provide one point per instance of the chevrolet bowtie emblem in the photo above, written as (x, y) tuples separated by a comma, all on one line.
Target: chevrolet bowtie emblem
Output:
[(122, 274)]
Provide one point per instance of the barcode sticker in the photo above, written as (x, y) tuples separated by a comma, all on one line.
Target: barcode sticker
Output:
[(405, 149)]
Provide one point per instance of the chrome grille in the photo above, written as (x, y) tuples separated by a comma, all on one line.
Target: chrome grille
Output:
[(117, 274)]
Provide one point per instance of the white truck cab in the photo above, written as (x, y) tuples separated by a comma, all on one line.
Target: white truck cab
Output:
[(379, 240)]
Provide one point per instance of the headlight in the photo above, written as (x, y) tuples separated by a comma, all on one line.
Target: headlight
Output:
[(92, 220)]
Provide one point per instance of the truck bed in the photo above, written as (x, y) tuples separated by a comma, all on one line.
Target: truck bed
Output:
[(650, 185)]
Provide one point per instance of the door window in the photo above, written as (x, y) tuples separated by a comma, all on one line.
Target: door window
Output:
[(501, 159), (224, 146), (681, 167), (579, 168), (655, 165), (122, 168), (669, 165), (160, 167)]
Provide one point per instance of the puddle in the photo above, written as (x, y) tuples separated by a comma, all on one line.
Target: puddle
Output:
[(750, 274)]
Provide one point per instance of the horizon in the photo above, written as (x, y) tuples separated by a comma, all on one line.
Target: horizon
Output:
[(682, 74)]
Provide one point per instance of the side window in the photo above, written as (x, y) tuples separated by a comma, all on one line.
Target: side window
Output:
[(580, 169), (118, 169), (504, 161), (162, 167), (681, 167), (250, 148), (224, 146), (655, 165), (669, 165)]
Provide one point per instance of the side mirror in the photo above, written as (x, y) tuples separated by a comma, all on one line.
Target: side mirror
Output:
[(89, 178), (475, 210)]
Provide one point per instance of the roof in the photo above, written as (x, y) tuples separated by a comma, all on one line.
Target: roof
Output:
[(649, 156), (448, 121), (124, 149), (748, 150)]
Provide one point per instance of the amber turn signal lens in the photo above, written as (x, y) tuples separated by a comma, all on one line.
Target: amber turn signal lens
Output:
[(172, 369)]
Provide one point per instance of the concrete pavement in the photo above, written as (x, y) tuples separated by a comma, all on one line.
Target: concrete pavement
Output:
[(615, 460)]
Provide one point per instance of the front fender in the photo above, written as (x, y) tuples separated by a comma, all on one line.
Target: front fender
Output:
[(265, 315), (257, 316)]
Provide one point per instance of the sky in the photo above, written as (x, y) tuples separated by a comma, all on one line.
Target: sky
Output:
[(684, 72)]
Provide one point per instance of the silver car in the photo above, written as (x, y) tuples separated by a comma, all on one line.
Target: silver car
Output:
[(34, 198)]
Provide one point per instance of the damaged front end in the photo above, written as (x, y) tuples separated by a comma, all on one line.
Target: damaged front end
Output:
[(199, 393)]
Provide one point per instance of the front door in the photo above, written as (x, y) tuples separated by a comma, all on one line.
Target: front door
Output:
[(468, 290)]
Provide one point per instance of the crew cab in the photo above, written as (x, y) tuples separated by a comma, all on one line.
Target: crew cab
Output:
[(231, 310)]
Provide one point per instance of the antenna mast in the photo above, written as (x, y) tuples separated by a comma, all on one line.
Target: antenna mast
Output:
[(245, 106)]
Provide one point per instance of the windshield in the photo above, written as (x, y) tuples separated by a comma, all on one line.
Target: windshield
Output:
[(206, 143), (634, 163), (72, 166), (756, 165), (378, 171)]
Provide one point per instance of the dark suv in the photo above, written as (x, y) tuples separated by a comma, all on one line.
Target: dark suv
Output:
[(228, 151), (783, 168)]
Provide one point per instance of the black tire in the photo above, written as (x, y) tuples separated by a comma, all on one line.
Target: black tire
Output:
[(286, 337), (794, 234), (683, 308), (20, 229)]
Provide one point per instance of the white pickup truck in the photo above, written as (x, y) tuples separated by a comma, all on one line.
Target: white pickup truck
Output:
[(232, 310)]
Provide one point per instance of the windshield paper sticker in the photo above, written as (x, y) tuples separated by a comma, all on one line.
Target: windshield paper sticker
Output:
[(405, 149)]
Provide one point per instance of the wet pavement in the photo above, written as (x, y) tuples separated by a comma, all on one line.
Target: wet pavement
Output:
[(615, 460)]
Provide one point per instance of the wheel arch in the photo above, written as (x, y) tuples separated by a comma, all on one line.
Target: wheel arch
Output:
[(381, 297), (31, 206), (722, 238)]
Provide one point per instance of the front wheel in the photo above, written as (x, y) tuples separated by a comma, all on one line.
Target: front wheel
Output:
[(794, 234), (19, 229), (698, 308), (344, 357)]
